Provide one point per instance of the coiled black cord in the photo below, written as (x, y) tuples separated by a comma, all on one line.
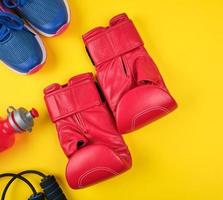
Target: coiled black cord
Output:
[(51, 188), (20, 175), (21, 178)]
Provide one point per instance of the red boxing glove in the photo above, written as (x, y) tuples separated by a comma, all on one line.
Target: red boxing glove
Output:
[(130, 80), (87, 132)]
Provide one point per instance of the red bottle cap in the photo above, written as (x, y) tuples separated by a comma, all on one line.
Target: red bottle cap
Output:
[(34, 113)]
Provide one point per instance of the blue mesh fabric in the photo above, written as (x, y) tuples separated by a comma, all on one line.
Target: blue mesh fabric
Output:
[(41, 12), (21, 50)]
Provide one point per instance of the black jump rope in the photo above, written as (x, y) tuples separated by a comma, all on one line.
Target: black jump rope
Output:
[(49, 185)]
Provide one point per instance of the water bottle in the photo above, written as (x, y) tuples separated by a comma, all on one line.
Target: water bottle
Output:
[(18, 121)]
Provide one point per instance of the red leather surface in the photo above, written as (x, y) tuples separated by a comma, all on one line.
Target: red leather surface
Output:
[(86, 131), (130, 80)]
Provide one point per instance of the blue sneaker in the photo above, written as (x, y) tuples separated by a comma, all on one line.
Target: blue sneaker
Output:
[(48, 17), (20, 48)]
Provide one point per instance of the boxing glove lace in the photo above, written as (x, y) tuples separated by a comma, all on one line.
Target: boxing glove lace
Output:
[(87, 132), (130, 80)]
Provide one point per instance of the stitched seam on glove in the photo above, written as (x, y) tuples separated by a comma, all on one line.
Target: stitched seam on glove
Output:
[(148, 110), (84, 175)]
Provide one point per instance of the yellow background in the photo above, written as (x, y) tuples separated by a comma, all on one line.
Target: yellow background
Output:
[(179, 157)]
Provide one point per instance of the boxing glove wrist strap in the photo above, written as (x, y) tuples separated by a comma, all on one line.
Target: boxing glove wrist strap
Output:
[(103, 45), (72, 99)]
